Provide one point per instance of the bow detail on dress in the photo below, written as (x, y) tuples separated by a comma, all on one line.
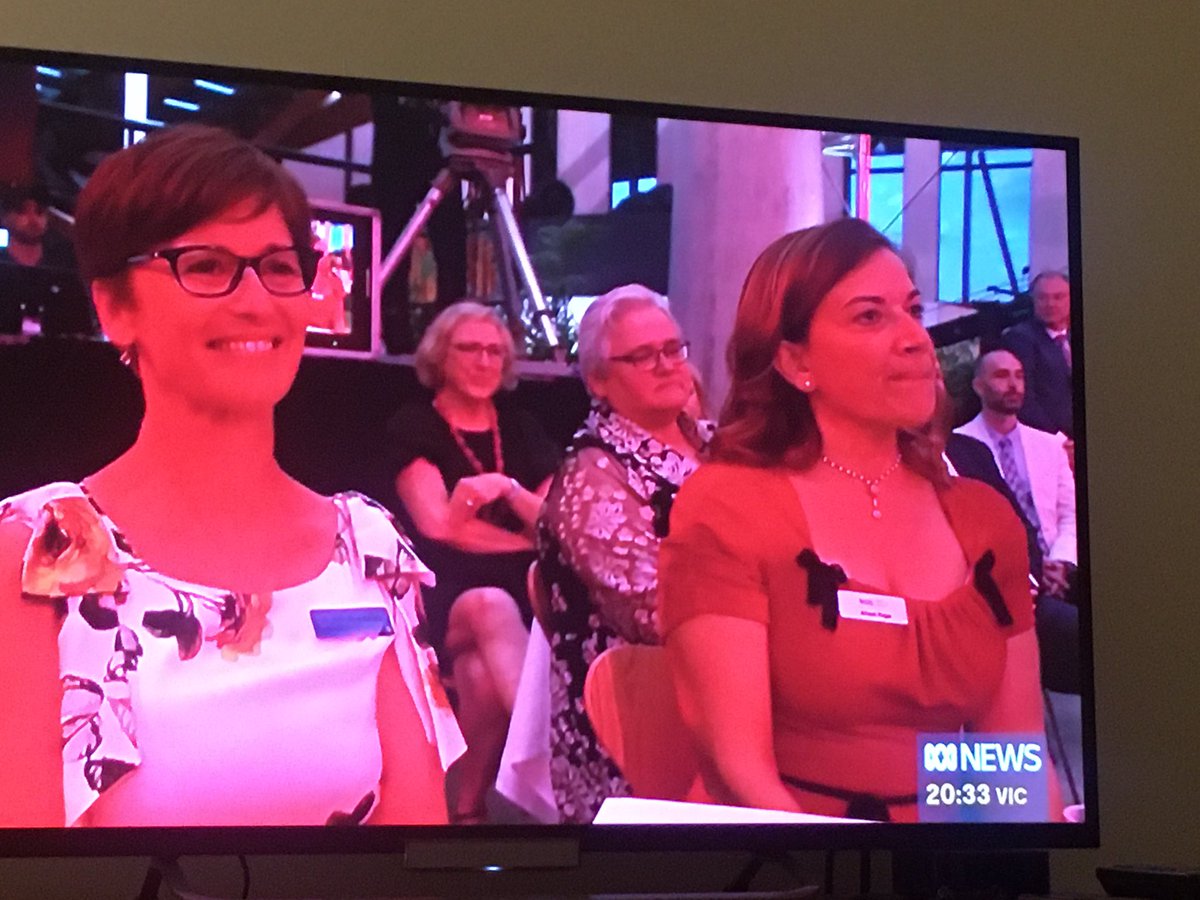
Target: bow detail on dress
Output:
[(985, 583), (824, 579)]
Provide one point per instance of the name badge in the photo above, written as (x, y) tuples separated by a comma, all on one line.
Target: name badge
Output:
[(355, 622), (865, 607)]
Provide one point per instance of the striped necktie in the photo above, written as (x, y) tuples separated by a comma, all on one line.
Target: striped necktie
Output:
[(1020, 486)]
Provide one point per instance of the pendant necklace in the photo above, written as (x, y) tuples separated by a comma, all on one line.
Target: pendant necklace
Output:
[(871, 483)]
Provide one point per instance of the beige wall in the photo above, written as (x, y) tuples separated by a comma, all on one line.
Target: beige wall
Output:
[(1124, 77)]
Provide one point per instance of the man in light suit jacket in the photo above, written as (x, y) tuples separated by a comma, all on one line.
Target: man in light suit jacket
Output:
[(1034, 463), (1043, 343), (1035, 466)]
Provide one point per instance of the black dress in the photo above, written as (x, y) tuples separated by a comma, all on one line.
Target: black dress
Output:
[(418, 431)]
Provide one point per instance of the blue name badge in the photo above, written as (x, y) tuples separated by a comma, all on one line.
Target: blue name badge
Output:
[(354, 622)]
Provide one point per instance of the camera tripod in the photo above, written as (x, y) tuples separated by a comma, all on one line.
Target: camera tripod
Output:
[(488, 168)]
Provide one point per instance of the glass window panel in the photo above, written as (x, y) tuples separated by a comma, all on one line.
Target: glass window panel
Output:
[(887, 193), (987, 269), (950, 280), (620, 190)]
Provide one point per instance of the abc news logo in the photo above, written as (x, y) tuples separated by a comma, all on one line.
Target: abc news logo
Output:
[(983, 756)]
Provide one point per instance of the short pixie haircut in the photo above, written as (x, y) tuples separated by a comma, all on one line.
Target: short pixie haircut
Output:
[(431, 352), (147, 195), (598, 319)]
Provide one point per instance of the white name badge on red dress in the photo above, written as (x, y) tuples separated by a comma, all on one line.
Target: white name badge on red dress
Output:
[(883, 608)]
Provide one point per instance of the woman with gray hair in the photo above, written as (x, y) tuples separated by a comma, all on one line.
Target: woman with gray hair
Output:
[(471, 473), (605, 515)]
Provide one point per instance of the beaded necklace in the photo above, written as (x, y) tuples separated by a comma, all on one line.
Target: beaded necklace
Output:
[(872, 484), (456, 433)]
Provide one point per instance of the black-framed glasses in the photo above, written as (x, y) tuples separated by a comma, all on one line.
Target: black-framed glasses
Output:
[(646, 358), (206, 271)]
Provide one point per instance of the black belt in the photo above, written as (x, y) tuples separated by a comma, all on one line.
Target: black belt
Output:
[(859, 805)]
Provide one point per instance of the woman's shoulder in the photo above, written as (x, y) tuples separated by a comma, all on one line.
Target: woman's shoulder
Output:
[(587, 466), (366, 519), (367, 530), (731, 496), (978, 510), (36, 498), (973, 498), (417, 411), (59, 542), (730, 482), (21, 513), (417, 431)]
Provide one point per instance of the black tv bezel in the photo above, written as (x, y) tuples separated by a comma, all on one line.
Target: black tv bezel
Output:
[(282, 839)]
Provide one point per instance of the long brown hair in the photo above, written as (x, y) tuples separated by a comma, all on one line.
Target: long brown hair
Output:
[(766, 420)]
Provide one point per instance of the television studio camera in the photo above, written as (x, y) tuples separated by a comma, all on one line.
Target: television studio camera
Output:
[(480, 142)]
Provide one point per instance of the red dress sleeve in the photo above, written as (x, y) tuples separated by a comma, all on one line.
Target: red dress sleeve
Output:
[(709, 563), (985, 521)]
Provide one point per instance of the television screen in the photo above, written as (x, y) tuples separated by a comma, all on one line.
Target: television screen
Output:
[(345, 294), (658, 584)]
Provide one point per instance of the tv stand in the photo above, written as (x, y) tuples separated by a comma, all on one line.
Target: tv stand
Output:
[(919, 874), (166, 870)]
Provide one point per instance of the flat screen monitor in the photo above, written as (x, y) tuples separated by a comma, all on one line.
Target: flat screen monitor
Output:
[(345, 293), (980, 220)]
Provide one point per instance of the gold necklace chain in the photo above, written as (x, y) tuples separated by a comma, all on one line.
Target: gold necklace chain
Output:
[(871, 483)]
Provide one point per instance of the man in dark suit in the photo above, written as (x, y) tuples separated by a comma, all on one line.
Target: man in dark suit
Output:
[(1043, 345)]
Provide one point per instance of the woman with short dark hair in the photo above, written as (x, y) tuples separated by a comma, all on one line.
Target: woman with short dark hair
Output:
[(198, 638)]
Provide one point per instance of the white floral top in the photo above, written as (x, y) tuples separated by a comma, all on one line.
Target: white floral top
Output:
[(598, 544), (190, 705)]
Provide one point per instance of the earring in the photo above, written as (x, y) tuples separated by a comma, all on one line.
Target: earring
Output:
[(129, 357), (806, 385)]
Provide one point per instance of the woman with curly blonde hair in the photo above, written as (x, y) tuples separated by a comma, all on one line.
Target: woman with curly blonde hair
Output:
[(471, 472)]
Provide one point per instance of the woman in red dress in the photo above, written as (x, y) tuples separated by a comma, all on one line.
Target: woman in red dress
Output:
[(828, 502)]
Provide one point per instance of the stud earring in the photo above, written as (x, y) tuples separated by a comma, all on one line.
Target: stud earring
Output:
[(806, 385), (129, 357)]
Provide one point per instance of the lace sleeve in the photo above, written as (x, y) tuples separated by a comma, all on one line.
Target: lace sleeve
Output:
[(606, 534)]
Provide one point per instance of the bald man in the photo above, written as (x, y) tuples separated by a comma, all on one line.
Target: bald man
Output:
[(1033, 462), (1035, 466)]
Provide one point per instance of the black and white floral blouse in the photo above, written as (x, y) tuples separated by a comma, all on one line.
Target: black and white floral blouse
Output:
[(185, 704), (598, 556)]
